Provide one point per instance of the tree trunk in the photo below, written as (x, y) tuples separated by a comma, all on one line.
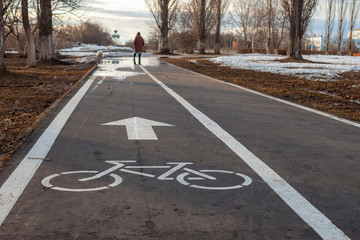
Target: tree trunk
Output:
[(295, 33), (299, 10), (339, 37), (253, 36), (268, 30), (353, 15), (350, 43), (31, 57), (246, 44), (45, 31), (164, 30), (342, 11), (202, 33), (292, 34), (2, 49), (330, 9), (218, 24)]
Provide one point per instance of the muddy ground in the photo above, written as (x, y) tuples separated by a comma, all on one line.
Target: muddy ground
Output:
[(25, 93), (340, 97)]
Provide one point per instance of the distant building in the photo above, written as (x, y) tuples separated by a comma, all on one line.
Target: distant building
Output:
[(319, 43), (316, 43), (355, 35)]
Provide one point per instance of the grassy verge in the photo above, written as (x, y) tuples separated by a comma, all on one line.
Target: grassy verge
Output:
[(341, 97), (25, 93)]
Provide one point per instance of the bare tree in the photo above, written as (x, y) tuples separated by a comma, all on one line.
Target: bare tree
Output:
[(242, 17), (202, 34), (88, 32), (31, 57), (65, 7), (299, 13), (13, 24), (289, 6), (330, 15), (342, 8), (2, 49), (354, 12), (269, 23), (221, 7), (308, 12), (218, 24), (185, 31), (45, 31), (9, 15), (278, 25), (257, 20), (164, 13), (204, 20), (61, 11), (249, 16)]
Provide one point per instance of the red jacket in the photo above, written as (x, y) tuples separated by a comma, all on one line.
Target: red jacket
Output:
[(138, 43)]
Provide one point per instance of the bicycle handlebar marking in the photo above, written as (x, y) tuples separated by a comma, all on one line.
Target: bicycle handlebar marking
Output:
[(183, 177)]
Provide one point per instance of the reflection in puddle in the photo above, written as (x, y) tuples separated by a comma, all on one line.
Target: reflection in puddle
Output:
[(127, 62), (121, 68), (113, 67)]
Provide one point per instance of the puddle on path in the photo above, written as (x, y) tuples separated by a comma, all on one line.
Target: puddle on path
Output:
[(121, 68), (127, 62)]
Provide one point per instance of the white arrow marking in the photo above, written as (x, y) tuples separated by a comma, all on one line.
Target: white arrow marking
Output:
[(139, 128)]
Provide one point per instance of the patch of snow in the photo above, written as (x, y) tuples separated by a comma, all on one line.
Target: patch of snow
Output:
[(328, 67), (11, 52), (95, 48), (91, 50), (85, 59), (99, 54)]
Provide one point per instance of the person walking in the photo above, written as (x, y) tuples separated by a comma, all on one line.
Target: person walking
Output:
[(138, 46)]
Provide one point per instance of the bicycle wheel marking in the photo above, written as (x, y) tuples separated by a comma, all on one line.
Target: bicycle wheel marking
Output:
[(46, 182), (181, 179)]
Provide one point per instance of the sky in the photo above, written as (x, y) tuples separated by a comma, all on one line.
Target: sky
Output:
[(132, 16), (126, 16)]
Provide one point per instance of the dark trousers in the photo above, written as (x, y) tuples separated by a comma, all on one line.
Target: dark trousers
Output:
[(139, 53)]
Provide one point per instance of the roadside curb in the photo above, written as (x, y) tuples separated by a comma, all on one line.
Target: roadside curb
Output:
[(41, 117)]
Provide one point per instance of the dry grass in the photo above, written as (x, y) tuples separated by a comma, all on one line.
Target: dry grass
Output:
[(26, 92), (339, 99)]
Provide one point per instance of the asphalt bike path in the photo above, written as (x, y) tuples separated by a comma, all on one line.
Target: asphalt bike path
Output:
[(168, 154)]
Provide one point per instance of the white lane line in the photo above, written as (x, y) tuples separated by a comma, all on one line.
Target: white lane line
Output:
[(312, 216), (19, 179), (324, 114)]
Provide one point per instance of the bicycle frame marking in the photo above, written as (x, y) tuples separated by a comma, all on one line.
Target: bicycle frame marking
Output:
[(166, 176)]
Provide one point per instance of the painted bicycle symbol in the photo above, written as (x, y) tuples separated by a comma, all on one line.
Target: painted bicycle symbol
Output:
[(199, 179)]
